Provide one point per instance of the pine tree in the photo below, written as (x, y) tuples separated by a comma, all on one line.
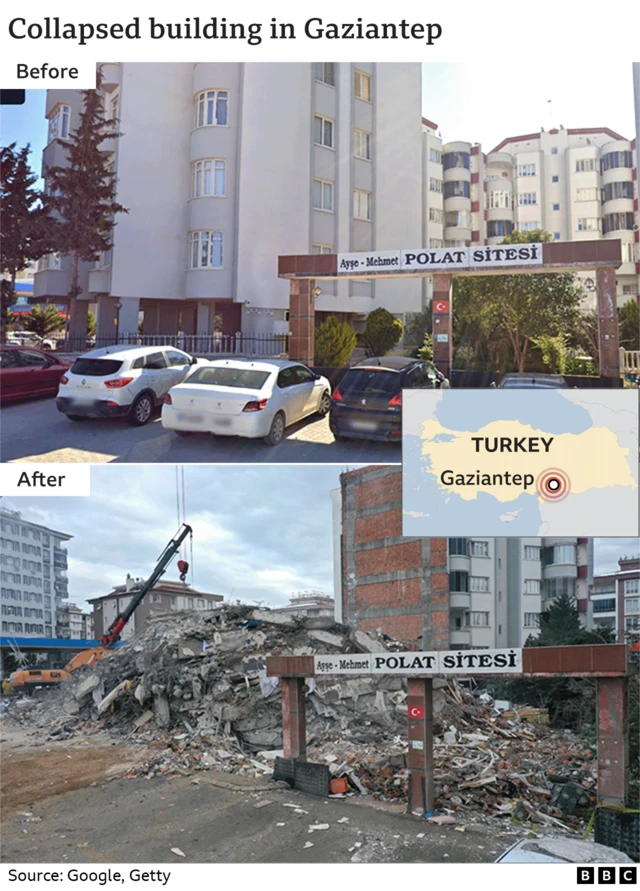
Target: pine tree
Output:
[(82, 194), (560, 626), (26, 231)]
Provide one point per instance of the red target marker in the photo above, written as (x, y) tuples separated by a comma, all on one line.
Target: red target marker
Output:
[(553, 485)]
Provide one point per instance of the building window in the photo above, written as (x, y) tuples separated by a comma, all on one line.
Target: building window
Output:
[(531, 620), (532, 586), (459, 547), (212, 108), (435, 215), (616, 159), (59, 123), (200, 603), (499, 228), (322, 194), (607, 605), (435, 243), (556, 236), (587, 195), (556, 207), (585, 165), (632, 586), (323, 131), (113, 107), (588, 224), (614, 222), (321, 249), (530, 226), (478, 583), (632, 606), (435, 156), (325, 72), (526, 169), (459, 581), (458, 219), (435, 185), (456, 242), (632, 624), (554, 150), (479, 619), (616, 190), (362, 144), (501, 199), (531, 552), (456, 189), (555, 179), (628, 290), (190, 602), (205, 250), (362, 85), (361, 205), (479, 549), (455, 159), (528, 198), (49, 261), (208, 178)]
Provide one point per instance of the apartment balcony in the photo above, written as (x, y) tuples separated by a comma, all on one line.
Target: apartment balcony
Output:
[(459, 637), (459, 600), (100, 280)]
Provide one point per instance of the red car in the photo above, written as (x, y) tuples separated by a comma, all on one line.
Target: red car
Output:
[(27, 372)]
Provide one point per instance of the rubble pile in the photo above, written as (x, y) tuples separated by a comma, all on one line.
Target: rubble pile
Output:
[(193, 688)]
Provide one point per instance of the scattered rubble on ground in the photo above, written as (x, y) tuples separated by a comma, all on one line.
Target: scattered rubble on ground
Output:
[(193, 687)]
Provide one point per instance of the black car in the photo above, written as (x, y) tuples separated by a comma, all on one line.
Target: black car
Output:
[(367, 403)]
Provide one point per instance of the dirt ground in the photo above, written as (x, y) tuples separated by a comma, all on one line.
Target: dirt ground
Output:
[(73, 803)]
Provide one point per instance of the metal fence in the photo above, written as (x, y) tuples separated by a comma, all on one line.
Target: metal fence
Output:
[(266, 345)]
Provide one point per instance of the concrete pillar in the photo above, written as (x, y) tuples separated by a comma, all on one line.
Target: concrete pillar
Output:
[(294, 721), (442, 324), (420, 716), (301, 320), (613, 742), (78, 323), (129, 315), (607, 322), (202, 323), (105, 316)]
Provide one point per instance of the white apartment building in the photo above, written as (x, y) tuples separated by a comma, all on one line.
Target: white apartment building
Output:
[(74, 624), (34, 584), (577, 184), (223, 168)]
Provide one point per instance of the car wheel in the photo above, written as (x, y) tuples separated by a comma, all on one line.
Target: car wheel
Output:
[(325, 404), (276, 432), (77, 417), (339, 437), (140, 410)]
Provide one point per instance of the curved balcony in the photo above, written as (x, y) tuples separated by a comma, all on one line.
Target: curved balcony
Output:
[(459, 600), (459, 637)]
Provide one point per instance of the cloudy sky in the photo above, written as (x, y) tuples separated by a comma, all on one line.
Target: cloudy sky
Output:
[(260, 533)]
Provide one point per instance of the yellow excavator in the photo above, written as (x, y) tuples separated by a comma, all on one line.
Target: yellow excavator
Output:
[(27, 680)]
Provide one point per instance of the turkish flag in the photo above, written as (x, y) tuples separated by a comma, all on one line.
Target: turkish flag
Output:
[(416, 711), (441, 306)]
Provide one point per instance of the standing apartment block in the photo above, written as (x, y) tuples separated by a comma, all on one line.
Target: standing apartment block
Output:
[(33, 573), (456, 593), (614, 601), (223, 168)]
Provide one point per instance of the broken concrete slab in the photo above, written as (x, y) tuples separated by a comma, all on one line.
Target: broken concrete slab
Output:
[(332, 640), (319, 623), (366, 643), (161, 710), (86, 687), (144, 718), (273, 618), (113, 695), (190, 648)]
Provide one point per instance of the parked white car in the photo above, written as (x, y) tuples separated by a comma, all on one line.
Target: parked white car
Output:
[(29, 338), (119, 381), (242, 397)]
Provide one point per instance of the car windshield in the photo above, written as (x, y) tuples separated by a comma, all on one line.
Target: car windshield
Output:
[(96, 367), (369, 380), (245, 378)]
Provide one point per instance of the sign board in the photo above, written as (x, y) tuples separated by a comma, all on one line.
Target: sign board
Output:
[(471, 662), (442, 338), (441, 306), (439, 259)]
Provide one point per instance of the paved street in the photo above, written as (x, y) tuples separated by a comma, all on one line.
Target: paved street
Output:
[(35, 431)]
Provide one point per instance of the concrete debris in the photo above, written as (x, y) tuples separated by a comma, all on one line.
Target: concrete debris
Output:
[(308, 844), (316, 826), (178, 852), (192, 687)]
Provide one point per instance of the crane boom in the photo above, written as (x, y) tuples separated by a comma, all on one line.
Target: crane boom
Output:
[(112, 635)]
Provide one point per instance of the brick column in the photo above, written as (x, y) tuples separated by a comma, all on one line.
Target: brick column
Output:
[(442, 324), (613, 742), (420, 716), (607, 322), (301, 320), (294, 724)]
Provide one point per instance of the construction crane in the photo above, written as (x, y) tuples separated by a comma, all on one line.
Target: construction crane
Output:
[(26, 679)]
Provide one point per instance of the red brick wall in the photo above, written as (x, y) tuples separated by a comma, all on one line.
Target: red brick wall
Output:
[(380, 491), (383, 525), (381, 595), (407, 628), (400, 556)]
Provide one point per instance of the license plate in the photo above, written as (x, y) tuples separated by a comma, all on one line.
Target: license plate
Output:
[(187, 416), (365, 426), (222, 422)]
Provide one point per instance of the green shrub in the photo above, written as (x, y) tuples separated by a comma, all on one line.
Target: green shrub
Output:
[(334, 342), (425, 353), (382, 331)]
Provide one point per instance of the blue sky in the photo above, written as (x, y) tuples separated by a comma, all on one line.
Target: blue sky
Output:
[(477, 103)]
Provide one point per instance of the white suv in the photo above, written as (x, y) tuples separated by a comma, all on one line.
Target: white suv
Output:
[(29, 338), (120, 381)]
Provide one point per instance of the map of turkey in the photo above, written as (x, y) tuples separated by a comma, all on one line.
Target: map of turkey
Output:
[(520, 463)]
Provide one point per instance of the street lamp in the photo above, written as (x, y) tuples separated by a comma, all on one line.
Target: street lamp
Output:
[(117, 306)]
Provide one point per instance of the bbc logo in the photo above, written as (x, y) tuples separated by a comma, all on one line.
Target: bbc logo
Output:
[(607, 875)]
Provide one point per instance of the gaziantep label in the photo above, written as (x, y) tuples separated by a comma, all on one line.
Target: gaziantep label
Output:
[(439, 259), (504, 661)]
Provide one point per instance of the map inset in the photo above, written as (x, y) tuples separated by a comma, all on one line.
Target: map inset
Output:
[(520, 463)]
